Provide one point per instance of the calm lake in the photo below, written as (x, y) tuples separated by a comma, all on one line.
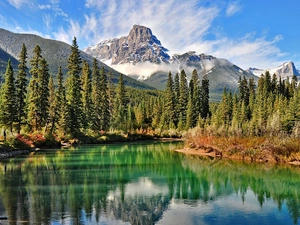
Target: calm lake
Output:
[(144, 183)]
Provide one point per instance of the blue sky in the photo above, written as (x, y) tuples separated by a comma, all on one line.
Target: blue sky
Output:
[(249, 33)]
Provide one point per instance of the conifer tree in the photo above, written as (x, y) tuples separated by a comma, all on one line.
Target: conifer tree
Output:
[(169, 106), (183, 98), (120, 106), (53, 115), (225, 108), (96, 96), (86, 94), (244, 91), (34, 94), (73, 90), (21, 88), (104, 102), (236, 114), (189, 113), (60, 92), (205, 98), (44, 77), (110, 93), (195, 98), (64, 121), (251, 84), (176, 98), (157, 112), (8, 107)]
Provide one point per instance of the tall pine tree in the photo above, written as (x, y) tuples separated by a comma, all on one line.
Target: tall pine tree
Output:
[(96, 96), (21, 88), (205, 112), (104, 104), (44, 77), (120, 110), (183, 99), (169, 106), (8, 107), (73, 90), (53, 115), (86, 94), (34, 104)]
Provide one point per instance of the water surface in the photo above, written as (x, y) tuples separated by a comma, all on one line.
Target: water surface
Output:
[(144, 183)]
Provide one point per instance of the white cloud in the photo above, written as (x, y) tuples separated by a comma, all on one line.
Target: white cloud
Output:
[(233, 8), (176, 24), (180, 26), (43, 7), (17, 3), (74, 29), (54, 6), (47, 20), (248, 51), (2, 19), (62, 35)]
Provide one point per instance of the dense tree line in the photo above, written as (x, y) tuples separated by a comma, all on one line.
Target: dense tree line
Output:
[(87, 100), (269, 108)]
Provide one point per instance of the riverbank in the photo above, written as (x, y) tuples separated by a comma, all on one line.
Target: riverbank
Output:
[(254, 149), (25, 144), (10, 154)]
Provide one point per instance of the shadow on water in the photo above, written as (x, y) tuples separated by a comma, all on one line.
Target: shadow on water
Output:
[(135, 183)]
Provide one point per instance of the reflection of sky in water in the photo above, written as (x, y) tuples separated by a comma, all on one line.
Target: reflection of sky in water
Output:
[(223, 210), (141, 187), (226, 210)]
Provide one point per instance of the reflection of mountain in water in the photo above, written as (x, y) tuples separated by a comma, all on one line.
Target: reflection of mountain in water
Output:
[(138, 209), (132, 183)]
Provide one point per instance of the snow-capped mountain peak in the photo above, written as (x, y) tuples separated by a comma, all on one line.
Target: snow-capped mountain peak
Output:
[(284, 71), (139, 46)]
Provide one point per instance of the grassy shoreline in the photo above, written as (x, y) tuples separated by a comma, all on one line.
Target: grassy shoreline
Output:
[(24, 144), (255, 149)]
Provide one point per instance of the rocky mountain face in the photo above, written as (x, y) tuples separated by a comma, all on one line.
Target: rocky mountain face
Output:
[(141, 55), (285, 71), (139, 46), (55, 52)]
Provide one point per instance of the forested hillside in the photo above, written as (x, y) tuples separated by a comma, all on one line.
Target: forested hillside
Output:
[(56, 54), (85, 101)]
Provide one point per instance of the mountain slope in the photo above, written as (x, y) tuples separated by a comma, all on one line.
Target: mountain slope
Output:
[(4, 57), (55, 52), (220, 72)]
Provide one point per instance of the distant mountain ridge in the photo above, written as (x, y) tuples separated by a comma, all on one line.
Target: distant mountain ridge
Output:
[(286, 70), (55, 52), (141, 55)]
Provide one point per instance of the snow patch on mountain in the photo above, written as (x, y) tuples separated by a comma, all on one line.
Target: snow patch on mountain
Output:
[(286, 70)]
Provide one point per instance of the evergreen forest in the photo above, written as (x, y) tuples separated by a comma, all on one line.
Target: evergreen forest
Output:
[(86, 105)]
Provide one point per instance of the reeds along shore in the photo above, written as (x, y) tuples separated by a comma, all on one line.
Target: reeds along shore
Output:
[(263, 149)]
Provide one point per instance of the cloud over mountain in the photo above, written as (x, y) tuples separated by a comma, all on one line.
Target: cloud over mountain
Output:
[(197, 25)]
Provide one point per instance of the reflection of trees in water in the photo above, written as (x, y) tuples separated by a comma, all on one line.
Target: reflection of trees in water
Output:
[(77, 184), (277, 182)]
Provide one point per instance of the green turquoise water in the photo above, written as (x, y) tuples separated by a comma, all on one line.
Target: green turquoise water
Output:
[(144, 183)]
